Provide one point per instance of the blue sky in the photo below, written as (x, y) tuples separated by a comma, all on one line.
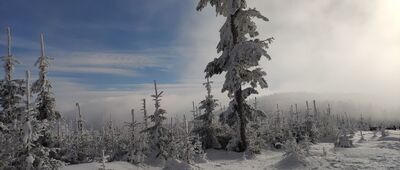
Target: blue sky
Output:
[(108, 52), (120, 31)]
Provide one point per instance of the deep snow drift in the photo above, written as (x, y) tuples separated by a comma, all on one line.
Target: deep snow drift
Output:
[(373, 153)]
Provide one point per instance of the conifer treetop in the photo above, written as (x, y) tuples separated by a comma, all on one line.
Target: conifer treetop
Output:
[(9, 59), (241, 50), (42, 63)]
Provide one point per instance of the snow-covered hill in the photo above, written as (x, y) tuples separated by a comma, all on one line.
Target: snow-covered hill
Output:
[(374, 153)]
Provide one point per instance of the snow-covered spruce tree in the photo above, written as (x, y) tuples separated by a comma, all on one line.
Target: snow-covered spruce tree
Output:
[(383, 131), (295, 154), (343, 138), (110, 138), (95, 144), (134, 150), (310, 125), (241, 53), (176, 139), (255, 130), (198, 154), (206, 129), (294, 123), (158, 134), (11, 93), (79, 146), (275, 135), (45, 102), (255, 138), (121, 145), (188, 146), (329, 128)]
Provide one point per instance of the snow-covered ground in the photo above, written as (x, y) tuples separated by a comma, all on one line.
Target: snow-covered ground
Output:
[(96, 166), (374, 153)]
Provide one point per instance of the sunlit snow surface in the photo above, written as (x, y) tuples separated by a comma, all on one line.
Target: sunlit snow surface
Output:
[(374, 153)]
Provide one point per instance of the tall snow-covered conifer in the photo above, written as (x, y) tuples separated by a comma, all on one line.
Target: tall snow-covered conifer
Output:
[(11, 93), (206, 129), (241, 52), (158, 134), (45, 102)]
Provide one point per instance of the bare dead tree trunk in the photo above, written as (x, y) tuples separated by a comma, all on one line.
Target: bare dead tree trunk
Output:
[(144, 113), (187, 139), (133, 122), (315, 109), (297, 113), (80, 120)]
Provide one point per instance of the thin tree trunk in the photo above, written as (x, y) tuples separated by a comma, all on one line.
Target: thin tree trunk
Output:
[(144, 113), (297, 113), (315, 109), (133, 123)]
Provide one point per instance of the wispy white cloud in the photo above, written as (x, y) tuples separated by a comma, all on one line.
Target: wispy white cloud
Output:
[(123, 64), (110, 59), (95, 70)]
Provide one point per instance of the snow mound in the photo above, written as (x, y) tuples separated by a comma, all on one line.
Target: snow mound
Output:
[(175, 164), (292, 161)]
